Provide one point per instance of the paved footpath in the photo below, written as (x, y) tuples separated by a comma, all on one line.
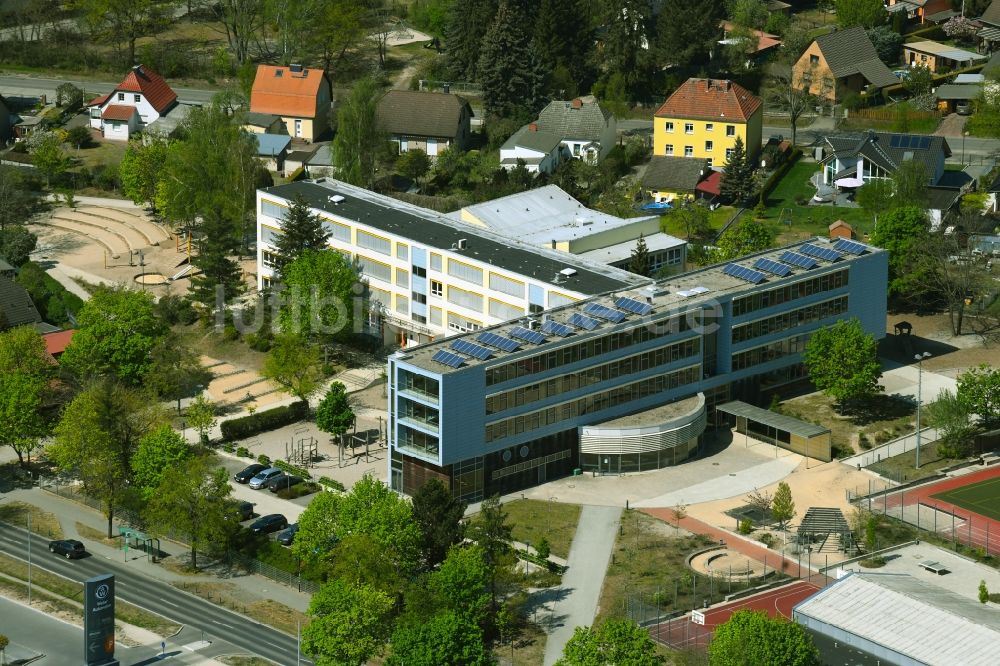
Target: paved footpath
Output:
[(589, 556)]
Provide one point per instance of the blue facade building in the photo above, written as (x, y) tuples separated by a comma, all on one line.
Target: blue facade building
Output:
[(622, 381)]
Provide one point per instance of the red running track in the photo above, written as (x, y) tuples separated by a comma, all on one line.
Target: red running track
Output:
[(976, 528), (681, 632)]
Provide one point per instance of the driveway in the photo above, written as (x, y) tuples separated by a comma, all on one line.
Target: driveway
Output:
[(953, 125)]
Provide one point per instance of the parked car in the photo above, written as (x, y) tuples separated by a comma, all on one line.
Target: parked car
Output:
[(287, 535), (71, 549), (247, 473), (262, 477), (963, 108), (272, 522), (245, 510), (283, 481)]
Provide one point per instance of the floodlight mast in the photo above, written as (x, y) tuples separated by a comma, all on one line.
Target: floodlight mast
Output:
[(920, 386)]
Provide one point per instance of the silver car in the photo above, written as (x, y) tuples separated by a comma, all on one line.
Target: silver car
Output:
[(262, 477)]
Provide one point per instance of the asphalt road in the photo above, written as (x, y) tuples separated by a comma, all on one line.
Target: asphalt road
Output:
[(159, 597), (16, 85)]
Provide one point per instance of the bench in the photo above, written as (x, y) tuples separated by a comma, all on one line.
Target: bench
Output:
[(934, 567)]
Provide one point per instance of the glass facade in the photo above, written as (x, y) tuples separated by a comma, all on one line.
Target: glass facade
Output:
[(791, 319), (620, 463), (769, 352), (760, 300)]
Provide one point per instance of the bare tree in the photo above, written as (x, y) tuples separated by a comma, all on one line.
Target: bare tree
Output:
[(760, 501), (679, 513), (242, 22), (793, 101), (960, 279)]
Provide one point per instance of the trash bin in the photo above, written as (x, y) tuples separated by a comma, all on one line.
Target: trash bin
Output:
[(577, 471)]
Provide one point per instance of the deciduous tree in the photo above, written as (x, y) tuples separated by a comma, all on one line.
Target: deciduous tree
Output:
[(123, 22), (349, 623), (360, 139), (747, 237), (294, 364), (782, 506), (447, 637), (492, 532), (159, 450), (866, 13), (954, 424), (614, 642), (142, 166), (751, 637), (795, 101), (25, 372), (979, 393), (176, 370), (903, 232), (17, 244), (322, 296), (334, 414), (117, 330), (47, 154), (201, 416), (18, 201), (842, 361), (439, 516)]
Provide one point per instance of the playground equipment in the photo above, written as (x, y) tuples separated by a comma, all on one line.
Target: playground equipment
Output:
[(304, 452)]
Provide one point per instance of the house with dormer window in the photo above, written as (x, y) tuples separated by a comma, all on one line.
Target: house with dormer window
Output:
[(299, 95), (138, 101)]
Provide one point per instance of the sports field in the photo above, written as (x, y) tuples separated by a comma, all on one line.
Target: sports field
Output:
[(982, 498)]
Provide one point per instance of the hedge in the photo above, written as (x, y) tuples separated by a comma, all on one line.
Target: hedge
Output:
[(270, 419), (291, 469), (780, 172), (332, 484)]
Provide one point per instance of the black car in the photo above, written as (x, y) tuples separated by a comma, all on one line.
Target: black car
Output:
[(71, 549), (283, 481), (287, 535), (272, 522), (248, 473)]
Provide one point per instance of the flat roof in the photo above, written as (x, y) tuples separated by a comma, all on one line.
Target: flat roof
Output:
[(436, 231), (774, 419), (667, 297), (543, 215), (622, 251), (656, 415), (929, 624), (945, 51)]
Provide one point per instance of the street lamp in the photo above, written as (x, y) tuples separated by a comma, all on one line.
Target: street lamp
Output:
[(920, 389)]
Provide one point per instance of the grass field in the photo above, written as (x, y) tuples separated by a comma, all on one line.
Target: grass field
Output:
[(982, 498)]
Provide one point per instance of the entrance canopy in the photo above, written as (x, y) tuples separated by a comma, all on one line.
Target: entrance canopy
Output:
[(787, 432)]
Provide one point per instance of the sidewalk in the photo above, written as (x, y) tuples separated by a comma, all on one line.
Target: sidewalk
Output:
[(69, 513)]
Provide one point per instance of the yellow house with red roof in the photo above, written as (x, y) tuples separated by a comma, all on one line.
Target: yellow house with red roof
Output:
[(703, 118)]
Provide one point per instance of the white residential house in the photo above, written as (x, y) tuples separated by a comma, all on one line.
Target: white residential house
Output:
[(585, 128), (541, 152), (139, 100)]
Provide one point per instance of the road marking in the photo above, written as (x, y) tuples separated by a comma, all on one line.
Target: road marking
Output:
[(169, 603), (228, 626)]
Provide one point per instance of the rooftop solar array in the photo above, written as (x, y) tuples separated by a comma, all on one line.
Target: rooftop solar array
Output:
[(633, 306), (580, 321), (849, 246), (472, 349), (498, 341), (799, 260), (552, 327), (445, 357), (818, 252), (772, 267), (909, 141), (604, 312), (522, 333), (744, 273)]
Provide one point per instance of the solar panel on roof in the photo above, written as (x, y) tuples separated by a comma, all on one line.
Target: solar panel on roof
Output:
[(553, 327), (744, 273), (584, 322), (799, 260), (925, 142), (849, 246), (604, 312), (772, 267), (472, 349), (633, 306), (894, 141), (498, 341), (445, 357), (521, 333), (824, 253)]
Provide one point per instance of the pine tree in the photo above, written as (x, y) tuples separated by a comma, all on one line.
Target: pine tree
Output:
[(511, 77), (218, 268), (737, 177), (467, 24), (639, 262), (687, 31), (301, 231), (561, 42)]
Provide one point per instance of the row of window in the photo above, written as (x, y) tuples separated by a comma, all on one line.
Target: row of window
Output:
[(591, 348), (760, 300), (790, 319), (411, 381), (417, 411), (416, 441), (525, 395), (689, 150), (770, 352), (709, 127), (592, 403)]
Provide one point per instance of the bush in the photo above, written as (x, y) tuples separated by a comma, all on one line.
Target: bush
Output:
[(51, 298), (543, 549), (864, 442), (292, 469), (299, 490), (174, 309), (767, 539), (746, 526), (264, 459), (332, 484), (228, 447), (259, 422), (243, 452)]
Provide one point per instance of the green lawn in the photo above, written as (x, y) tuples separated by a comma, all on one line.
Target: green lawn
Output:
[(533, 519), (716, 219), (982, 498)]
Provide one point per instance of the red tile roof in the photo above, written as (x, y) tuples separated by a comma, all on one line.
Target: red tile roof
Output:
[(711, 184), (710, 99), (143, 80), (282, 92), (765, 40), (98, 101), (118, 112), (56, 343)]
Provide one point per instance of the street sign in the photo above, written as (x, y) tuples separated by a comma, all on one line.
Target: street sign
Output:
[(697, 617), (99, 620)]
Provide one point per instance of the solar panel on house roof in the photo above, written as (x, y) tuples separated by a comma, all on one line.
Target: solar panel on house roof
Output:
[(472, 349), (445, 357), (925, 142), (772, 267), (849, 246), (584, 322), (799, 260), (824, 253), (498, 341), (744, 273), (604, 312), (633, 306), (553, 327), (521, 333)]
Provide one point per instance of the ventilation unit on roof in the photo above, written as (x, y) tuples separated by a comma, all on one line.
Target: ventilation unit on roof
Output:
[(568, 272), (295, 68), (533, 324), (335, 199)]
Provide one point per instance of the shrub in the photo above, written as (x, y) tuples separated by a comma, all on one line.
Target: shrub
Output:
[(228, 447), (264, 459), (746, 526), (767, 539), (543, 549), (332, 484), (174, 309), (259, 422), (864, 442), (299, 490), (292, 469), (243, 452)]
